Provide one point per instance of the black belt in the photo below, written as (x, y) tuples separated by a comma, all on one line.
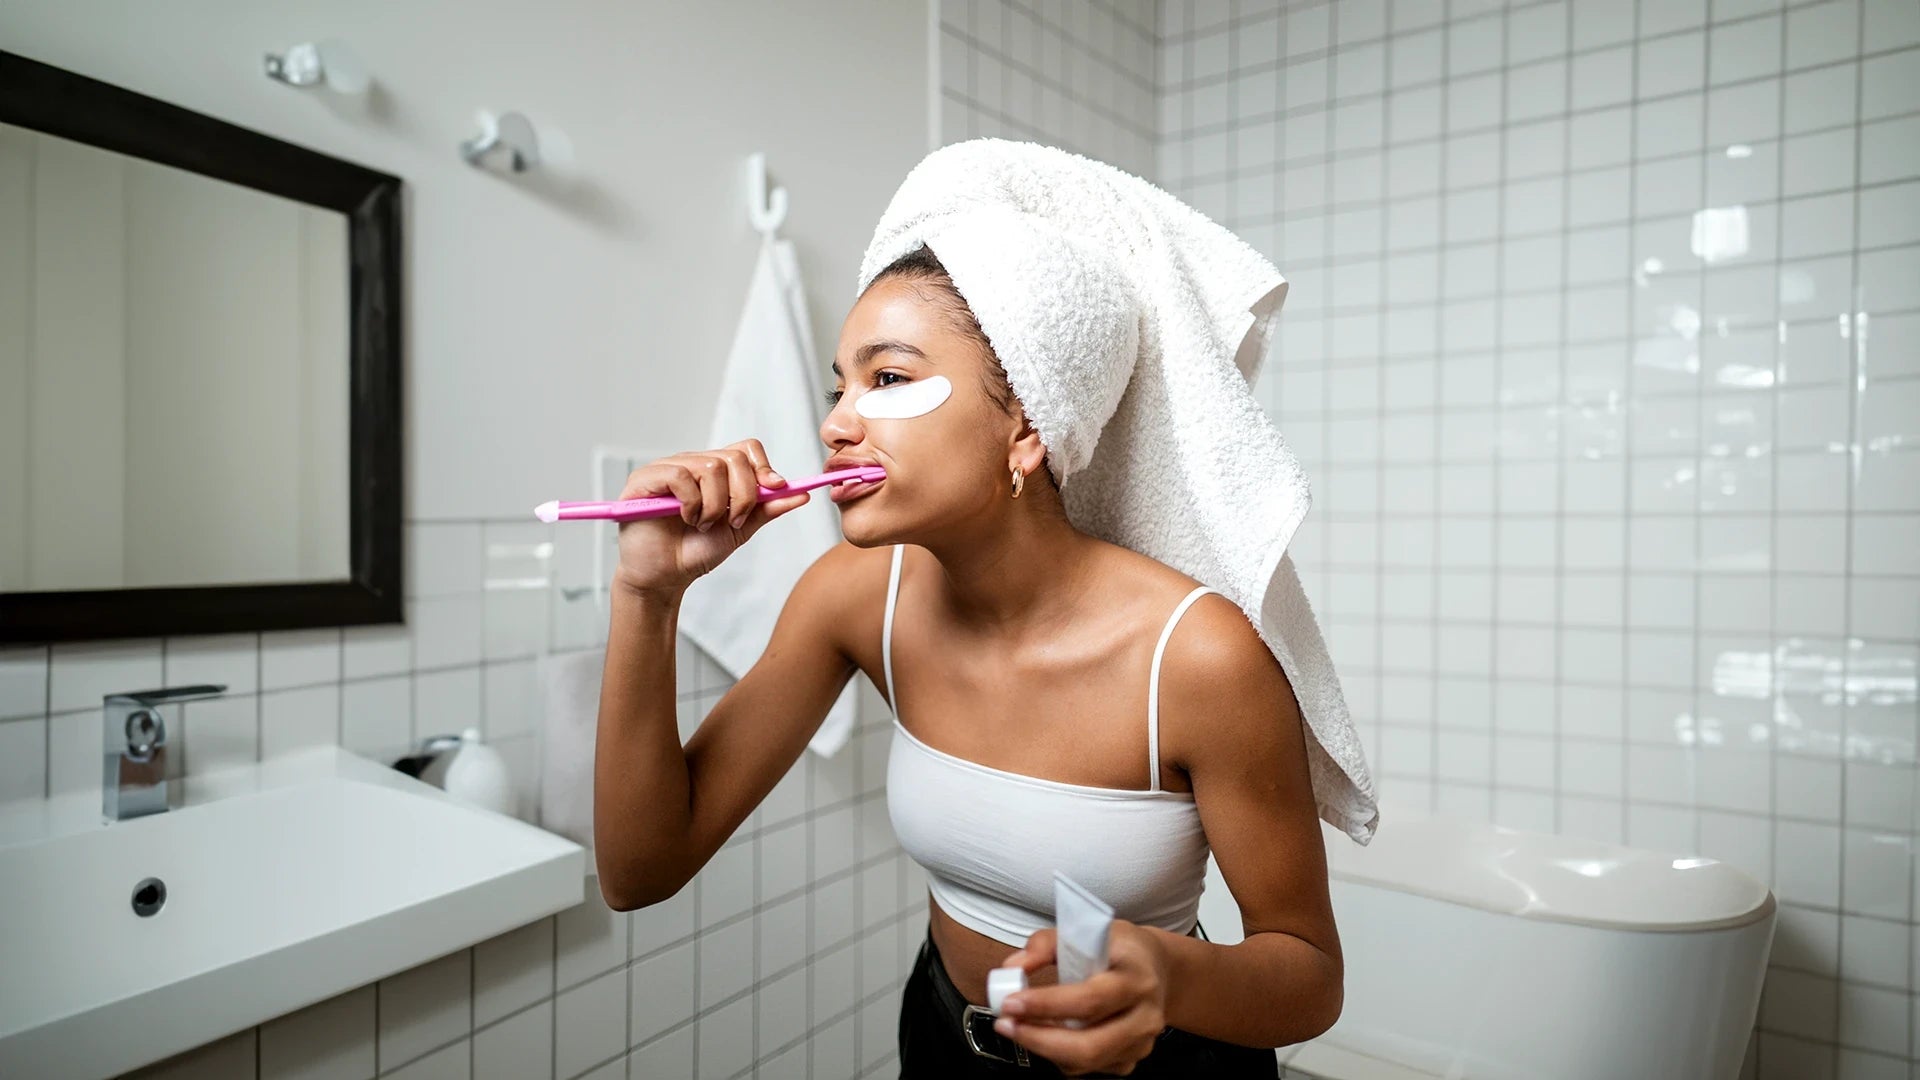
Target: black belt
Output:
[(976, 1021)]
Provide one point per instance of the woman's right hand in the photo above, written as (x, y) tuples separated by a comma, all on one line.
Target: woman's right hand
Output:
[(720, 508)]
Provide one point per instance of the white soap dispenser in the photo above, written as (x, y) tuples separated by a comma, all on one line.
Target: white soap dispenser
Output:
[(474, 772)]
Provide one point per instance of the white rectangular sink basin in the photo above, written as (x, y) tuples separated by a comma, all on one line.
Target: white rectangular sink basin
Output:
[(286, 883)]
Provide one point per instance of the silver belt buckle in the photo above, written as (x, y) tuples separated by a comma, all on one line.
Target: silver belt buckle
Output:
[(966, 1025)]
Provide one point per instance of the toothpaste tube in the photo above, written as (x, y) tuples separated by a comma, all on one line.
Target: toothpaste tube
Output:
[(1083, 922)]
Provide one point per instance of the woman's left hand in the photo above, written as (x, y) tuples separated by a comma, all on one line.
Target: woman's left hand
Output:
[(1123, 1009)]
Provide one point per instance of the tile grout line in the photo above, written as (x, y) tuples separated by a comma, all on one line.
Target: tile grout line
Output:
[(1698, 393), (1382, 366), (1626, 414), (1773, 526), (1560, 461), (1501, 464), (1856, 366), (1439, 389)]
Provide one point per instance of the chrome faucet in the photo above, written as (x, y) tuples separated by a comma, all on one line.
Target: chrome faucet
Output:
[(136, 744)]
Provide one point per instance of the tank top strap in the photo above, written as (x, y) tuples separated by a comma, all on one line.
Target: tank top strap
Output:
[(1153, 687), (886, 631)]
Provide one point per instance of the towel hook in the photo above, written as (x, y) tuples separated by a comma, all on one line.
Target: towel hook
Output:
[(331, 62), (511, 134), (768, 211)]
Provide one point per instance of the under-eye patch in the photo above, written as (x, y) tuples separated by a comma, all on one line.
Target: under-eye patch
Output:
[(904, 400)]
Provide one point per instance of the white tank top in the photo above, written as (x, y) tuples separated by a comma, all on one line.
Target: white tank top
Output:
[(990, 840)]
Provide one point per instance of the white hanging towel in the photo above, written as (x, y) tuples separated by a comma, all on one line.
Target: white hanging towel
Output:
[(769, 392), (569, 720)]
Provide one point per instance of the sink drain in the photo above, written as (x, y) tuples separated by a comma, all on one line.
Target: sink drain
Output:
[(149, 896)]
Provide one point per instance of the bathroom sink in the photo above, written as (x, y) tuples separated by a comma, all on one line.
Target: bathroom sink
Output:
[(270, 887)]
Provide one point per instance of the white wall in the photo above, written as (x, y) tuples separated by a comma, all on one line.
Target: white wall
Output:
[(538, 325), (1610, 538)]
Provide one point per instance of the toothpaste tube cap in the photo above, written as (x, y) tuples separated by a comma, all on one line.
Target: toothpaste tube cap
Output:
[(1004, 981)]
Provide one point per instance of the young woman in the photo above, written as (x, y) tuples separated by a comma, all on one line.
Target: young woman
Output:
[(1016, 652)]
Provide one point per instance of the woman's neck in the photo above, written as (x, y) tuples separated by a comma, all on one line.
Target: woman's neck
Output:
[(1024, 571)]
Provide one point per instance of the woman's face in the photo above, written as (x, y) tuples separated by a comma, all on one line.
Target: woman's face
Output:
[(909, 395)]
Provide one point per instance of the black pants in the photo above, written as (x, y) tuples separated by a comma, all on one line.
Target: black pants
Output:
[(932, 1046)]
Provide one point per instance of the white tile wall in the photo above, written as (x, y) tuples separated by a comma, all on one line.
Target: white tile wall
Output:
[(1602, 351), (1078, 76)]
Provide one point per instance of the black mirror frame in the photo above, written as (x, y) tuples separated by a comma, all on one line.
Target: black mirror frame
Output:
[(57, 102)]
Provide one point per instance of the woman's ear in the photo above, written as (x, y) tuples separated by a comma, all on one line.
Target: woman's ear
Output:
[(1028, 451)]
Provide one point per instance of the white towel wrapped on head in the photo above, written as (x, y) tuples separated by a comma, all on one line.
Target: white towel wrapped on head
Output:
[(1131, 327)]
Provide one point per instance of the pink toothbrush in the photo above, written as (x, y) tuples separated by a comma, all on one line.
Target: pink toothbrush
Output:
[(668, 506)]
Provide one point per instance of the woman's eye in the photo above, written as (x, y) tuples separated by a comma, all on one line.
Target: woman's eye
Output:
[(833, 396)]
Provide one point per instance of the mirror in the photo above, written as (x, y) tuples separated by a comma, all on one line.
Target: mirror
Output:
[(199, 383), (162, 321)]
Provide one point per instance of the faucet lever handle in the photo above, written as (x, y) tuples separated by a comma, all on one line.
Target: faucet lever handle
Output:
[(170, 694), (145, 733)]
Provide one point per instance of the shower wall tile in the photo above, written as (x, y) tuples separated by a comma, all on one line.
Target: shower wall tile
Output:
[(81, 673), (589, 1024), (236, 1055), (23, 759), (376, 717), (1076, 76), (513, 971), (23, 681), (291, 658), (367, 651), (520, 1046), (1602, 355), (335, 1038), (294, 719), (229, 660), (422, 1009), (451, 1062)]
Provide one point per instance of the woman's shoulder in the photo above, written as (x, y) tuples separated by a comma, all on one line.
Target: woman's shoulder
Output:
[(850, 566), (1213, 637), (1225, 700), (843, 590), (1157, 585)]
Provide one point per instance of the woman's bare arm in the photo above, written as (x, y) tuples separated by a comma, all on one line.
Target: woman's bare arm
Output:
[(661, 810), (1234, 715)]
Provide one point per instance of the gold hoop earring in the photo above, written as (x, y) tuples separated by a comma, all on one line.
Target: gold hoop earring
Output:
[(1019, 481)]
